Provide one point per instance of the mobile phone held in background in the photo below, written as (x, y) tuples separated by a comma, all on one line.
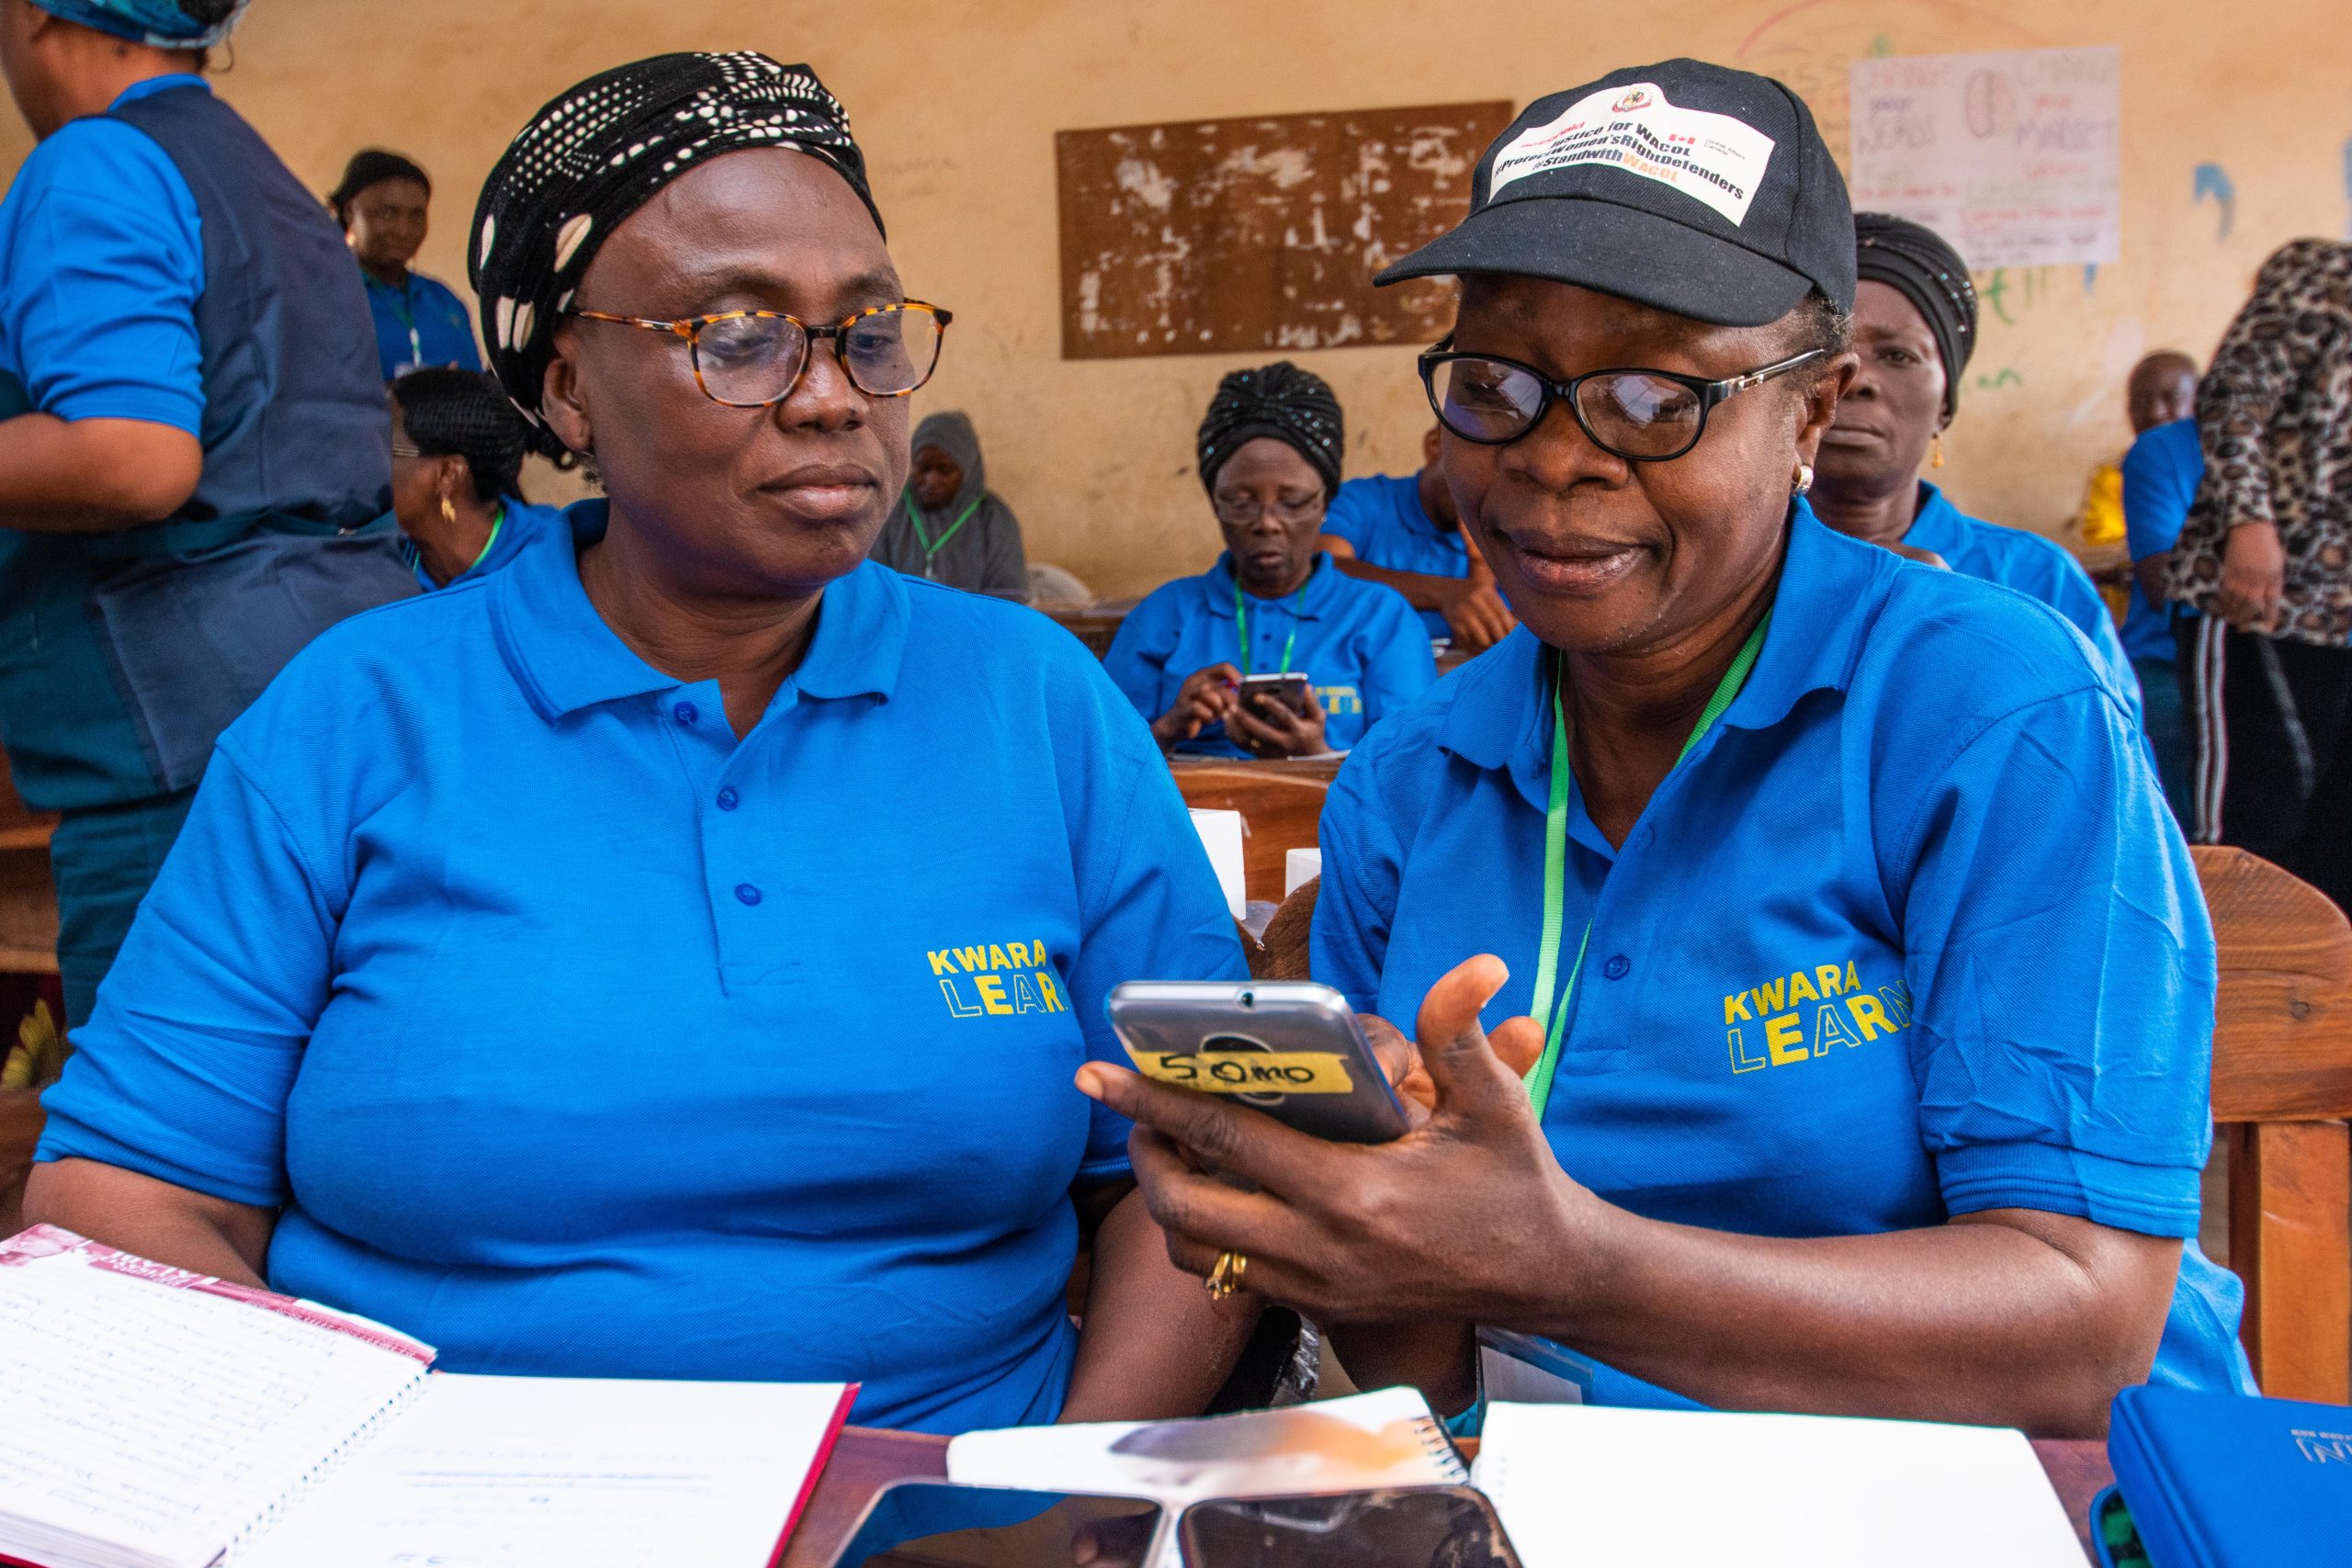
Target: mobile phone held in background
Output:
[(1289, 691), (932, 1524), (1290, 1048), (1420, 1527)]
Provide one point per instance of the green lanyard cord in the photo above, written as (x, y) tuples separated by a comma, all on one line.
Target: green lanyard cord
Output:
[(407, 314), (1556, 858), (497, 521), (1241, 624), (930, 549)]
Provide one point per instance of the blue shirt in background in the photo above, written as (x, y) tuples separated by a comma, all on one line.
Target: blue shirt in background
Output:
[(1358, 643), (579, 1037), (1381, 516), (101, 263), (2161, 474), (2037, 567), (520, 523), (1909, 934), (419, 323)]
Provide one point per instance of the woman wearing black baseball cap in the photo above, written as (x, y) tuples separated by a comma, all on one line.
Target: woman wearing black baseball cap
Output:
[(1814, 995)]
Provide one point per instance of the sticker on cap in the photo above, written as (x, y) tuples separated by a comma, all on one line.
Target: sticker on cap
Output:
[(1713, 157)]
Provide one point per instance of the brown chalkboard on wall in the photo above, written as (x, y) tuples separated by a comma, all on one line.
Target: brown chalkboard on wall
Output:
[(1226, 235)]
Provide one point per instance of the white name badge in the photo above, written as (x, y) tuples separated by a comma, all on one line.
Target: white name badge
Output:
[(1713, 157)]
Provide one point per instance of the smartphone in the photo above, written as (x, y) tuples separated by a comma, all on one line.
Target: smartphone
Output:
[(1289, 691), (1418, 1527), (1290, 1048), (936, 1524)]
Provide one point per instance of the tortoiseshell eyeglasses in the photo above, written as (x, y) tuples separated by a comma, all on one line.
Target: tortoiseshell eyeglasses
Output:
[(750, 359)]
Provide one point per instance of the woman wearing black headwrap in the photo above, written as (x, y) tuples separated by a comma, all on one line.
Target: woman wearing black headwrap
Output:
[(1915, 327), (382, 202), (669, 955), (1272, 605)]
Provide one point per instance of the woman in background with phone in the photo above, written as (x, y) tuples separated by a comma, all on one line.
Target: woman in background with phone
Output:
[(1273, 651), (1864, 977)]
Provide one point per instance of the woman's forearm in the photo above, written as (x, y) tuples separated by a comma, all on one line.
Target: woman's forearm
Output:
[(2012, 1318), (92, 476), (153, 1219), (1153, 1344)]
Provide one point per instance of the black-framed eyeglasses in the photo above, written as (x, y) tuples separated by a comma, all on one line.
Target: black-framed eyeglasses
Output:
[(750, 359), (1642, 416)]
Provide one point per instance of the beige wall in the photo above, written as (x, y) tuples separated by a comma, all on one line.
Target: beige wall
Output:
[(956, 102)]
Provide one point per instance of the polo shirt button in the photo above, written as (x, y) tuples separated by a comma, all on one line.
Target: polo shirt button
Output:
[(685, 713), (747, 893), (1618, 967), (728, 800)]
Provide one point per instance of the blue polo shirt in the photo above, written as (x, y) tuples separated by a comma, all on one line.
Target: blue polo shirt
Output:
[(101, 262), (2037, 567), (2161, 474), (578, 1037), (1358, 642), (1909, 934), (1383, 517), (419, 323), (520, 526)]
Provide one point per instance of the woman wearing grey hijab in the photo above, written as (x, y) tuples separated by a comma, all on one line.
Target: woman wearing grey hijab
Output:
[(949, 526)]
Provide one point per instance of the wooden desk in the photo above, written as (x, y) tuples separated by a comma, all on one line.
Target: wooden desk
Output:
[(1094, 624), (865, 1462)]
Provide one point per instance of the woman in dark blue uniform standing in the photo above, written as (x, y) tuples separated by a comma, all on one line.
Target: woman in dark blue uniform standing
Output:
[(182, 464)]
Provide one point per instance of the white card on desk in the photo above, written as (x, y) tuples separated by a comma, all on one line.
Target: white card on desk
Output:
[(1579, 1484)]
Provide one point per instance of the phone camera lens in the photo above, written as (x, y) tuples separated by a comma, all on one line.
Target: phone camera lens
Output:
[(1248, 998)]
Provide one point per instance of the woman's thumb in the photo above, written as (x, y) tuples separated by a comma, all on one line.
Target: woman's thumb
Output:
[(1461, 1060)]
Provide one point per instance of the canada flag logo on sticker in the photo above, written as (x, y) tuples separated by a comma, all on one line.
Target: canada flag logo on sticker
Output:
[(1638, 98)]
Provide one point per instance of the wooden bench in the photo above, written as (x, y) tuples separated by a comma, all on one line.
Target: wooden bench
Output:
[(1281, 804)]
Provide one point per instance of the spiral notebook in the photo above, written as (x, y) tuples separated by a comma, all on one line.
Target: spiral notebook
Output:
[(154, 1418), (1386, 1439)]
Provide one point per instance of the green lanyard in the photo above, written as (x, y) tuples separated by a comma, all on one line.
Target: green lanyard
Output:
[(1242, 626), (497, 521), (1555, 860), (930, 549), (408, 319)]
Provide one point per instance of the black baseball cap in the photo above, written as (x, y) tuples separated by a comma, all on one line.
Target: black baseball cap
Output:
[(1687, 187)]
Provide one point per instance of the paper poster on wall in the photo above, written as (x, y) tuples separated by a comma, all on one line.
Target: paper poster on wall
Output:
[(2012, 156)]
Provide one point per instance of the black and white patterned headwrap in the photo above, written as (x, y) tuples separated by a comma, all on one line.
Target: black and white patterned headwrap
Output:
[(598, 152), (1294, 406), (1921, 265)]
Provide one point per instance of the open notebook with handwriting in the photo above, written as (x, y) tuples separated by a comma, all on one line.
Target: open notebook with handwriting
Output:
[(154, 1418)]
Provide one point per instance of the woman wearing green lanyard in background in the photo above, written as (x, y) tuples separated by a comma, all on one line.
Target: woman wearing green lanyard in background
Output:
[(1273, 605), (949, 526), (1877, 984), (457, 448)]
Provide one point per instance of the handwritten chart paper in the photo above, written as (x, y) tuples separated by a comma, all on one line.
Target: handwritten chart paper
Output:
[(2011, 157)]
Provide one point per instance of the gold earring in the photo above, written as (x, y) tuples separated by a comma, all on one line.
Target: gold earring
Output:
[(449, 512), (1804, 480), (1936, 450)]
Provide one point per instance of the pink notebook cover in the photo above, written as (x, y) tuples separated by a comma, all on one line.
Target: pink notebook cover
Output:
[(48, 1241), (816, 1472)]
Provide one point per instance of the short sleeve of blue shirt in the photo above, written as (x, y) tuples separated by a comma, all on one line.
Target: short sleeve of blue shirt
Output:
[(2062, 963), (101, 263), (1353, 514), (2160, 478)]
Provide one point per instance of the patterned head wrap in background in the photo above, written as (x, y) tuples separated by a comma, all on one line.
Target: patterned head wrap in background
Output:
[(165, 23), (1294, 406), (598, 152), (1914, 259)]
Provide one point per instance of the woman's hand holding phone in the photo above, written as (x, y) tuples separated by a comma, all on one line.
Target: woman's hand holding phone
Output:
[(1208, 696)]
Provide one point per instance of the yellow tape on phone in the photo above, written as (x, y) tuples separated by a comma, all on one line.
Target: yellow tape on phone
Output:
[(1247, 1072)]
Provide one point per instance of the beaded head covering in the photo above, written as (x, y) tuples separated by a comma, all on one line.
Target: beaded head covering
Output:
[(1916, 261), (598, 152), (1294, 406)]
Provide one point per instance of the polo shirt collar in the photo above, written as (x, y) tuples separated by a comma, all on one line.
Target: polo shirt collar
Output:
[(567, 658), (155, 84), (1937, 525), (1323, 586), (1830, 586)]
